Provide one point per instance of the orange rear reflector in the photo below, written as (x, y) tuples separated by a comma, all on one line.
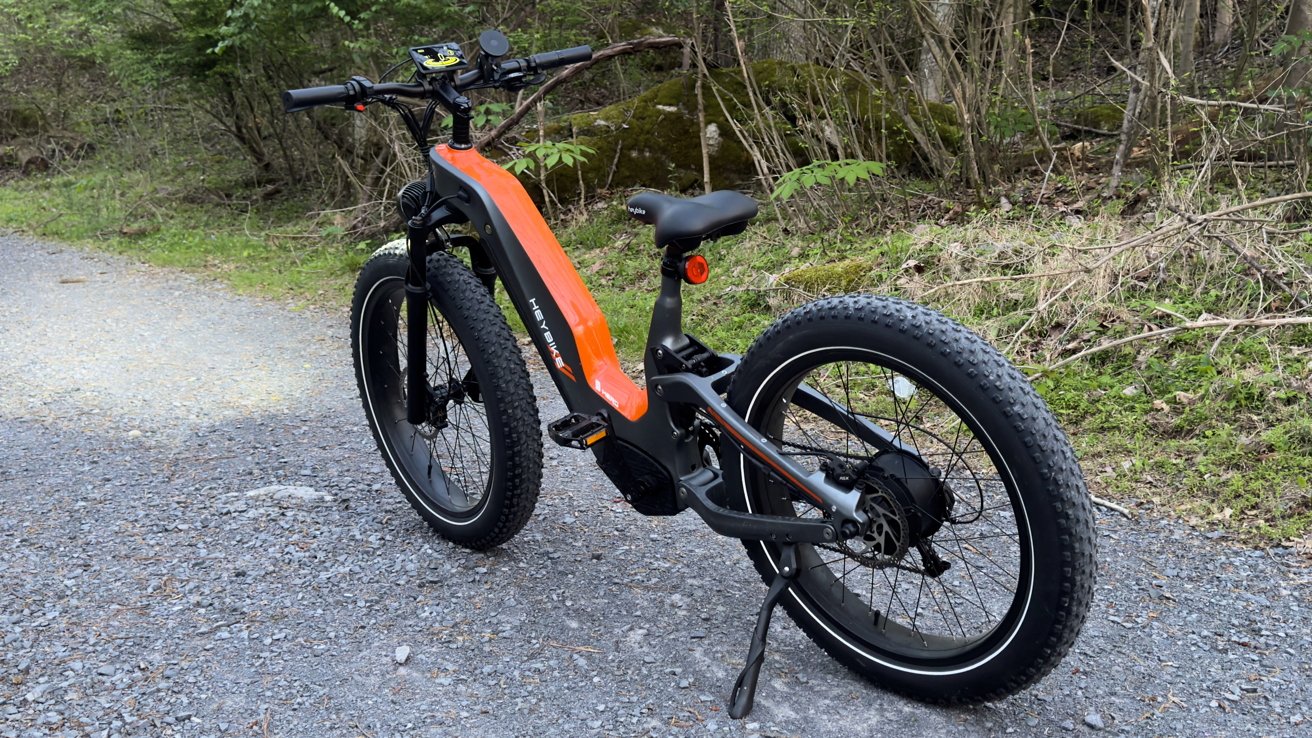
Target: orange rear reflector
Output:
[(696, 270)]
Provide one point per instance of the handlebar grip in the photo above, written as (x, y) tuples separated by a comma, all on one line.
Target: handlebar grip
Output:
[(311, 97), (553, 59)]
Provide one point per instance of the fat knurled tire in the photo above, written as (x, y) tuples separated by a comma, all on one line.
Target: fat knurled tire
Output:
[(504, 388), (1055, 503)]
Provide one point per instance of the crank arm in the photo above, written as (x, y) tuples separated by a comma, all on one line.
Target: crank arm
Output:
[(691, 389)]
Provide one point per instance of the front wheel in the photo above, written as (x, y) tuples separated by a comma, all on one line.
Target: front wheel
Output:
[(473, 469), (975, 573)]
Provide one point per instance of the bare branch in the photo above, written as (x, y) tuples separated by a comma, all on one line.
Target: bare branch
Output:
[(624, 47), (1195, 325)]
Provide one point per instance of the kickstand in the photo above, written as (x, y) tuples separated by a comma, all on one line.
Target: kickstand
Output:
[(744, 690)]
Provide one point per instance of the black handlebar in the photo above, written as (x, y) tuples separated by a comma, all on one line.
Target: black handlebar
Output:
[(564, 57), (312, 97), (358, 89)]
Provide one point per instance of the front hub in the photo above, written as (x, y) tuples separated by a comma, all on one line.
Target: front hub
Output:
[(440, 398)]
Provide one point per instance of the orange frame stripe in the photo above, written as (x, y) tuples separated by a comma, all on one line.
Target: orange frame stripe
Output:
[(747, 446), (586, 322)]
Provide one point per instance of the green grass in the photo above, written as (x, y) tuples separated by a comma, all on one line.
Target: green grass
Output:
[(1221, 440), (267, 248), (1215, 434)]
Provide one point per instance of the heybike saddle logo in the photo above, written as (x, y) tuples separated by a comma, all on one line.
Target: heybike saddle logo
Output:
[(551, 342)]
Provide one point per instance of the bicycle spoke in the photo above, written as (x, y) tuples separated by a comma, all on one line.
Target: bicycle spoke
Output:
[(976, 546)]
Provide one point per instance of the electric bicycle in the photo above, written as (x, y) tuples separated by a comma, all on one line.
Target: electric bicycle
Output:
[(897, 483)]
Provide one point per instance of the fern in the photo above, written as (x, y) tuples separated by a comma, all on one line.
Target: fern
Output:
[(826, 173)]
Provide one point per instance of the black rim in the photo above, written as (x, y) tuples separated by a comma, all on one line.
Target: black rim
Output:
[(447, 462), (882, 593)]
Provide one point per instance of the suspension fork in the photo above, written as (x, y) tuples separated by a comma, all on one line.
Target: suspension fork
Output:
[(416, 324)]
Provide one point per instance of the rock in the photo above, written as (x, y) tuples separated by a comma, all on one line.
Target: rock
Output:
[(280, 493), (1068, 725), (647, 135), (402, 654), (1094, 720)]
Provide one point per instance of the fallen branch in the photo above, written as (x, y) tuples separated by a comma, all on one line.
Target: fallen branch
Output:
[(1239, 164), (1195, 325), (1084, 129), (1262, 272), (1100, 502), (624, 47), (1003, 278), (1202, 102)]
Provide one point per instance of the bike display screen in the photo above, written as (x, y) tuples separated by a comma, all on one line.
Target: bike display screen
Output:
[(438, 58)]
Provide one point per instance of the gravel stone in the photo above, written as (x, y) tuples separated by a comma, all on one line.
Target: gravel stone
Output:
[(1094, 720), (140, 583), (402, 654)]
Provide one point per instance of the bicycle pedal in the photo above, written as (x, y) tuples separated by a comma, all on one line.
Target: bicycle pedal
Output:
[(577, 430)]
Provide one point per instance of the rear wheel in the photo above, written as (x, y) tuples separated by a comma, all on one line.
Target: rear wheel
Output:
[(976, 572), (473, 470)]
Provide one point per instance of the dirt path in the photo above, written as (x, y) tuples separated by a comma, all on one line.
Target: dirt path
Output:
[(143, 591)]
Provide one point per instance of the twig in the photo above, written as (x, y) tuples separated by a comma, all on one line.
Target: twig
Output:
[(610, 52), (1238, 163), (1208, 103), (1195, 325), (1085, 129), (1262, 273), (1003, 278), (1100, 502), (577, 649)]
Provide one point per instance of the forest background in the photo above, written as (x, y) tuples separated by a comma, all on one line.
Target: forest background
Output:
[(1114, 192)]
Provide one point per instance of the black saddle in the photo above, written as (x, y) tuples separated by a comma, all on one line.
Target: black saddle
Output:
[(684, 222)]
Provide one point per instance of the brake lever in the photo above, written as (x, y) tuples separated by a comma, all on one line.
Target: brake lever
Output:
[(362, 89), (519, 81)]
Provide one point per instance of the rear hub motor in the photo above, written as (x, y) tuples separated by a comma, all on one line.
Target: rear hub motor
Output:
[(906, 503)]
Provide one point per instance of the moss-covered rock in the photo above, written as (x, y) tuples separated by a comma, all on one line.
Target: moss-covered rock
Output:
[(815, 112), (1106, 117), (836, 278)]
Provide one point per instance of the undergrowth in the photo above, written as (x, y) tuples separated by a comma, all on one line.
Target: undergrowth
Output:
[(259, 245)]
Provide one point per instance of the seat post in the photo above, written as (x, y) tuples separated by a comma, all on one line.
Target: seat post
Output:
[(667, 315)]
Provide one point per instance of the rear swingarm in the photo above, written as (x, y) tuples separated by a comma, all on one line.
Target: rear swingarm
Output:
[(840, 504)]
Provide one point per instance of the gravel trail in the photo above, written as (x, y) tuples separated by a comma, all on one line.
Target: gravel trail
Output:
[(197, 538)]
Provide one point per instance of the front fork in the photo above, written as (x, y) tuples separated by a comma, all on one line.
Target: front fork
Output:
[(416, 323)]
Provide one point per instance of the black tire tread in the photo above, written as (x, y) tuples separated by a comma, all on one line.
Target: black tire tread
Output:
[(1013, 396), (481, 326)]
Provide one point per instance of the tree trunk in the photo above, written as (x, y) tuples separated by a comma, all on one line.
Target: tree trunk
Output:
[(1300, 65), (721, 46), (938, 44), (1011, 18), (1130, 122), (1223, 26), (1187, 38)]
